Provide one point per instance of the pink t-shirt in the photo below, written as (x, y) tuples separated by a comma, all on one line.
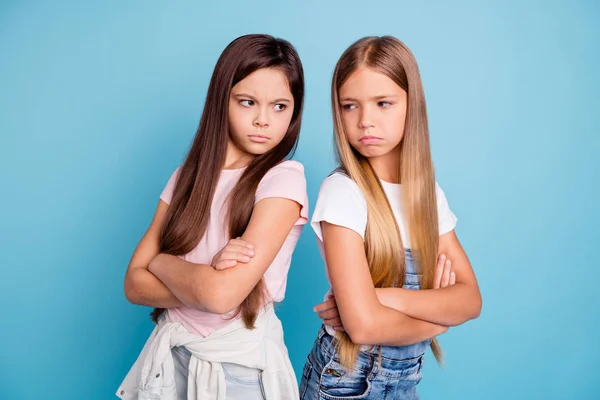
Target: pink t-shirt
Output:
[(285, 180)]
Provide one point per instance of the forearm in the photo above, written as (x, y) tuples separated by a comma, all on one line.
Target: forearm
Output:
[(191, 283), (449, 306), (144, 288), (390, 327)]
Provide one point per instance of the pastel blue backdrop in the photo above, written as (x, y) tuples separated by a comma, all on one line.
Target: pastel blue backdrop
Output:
[(100, 100)]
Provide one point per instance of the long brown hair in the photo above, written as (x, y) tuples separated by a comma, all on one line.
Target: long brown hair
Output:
[(383, 243), (189, 211)]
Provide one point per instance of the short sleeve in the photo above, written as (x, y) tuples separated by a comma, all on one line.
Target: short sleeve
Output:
[(167, 193), (341, 203), (286, 181), (447, 220)]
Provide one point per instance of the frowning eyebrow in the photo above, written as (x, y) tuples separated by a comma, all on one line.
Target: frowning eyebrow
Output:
[(276, 101), (385, 96)]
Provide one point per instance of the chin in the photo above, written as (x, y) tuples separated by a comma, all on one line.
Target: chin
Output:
[(256, 149), (370, 152)]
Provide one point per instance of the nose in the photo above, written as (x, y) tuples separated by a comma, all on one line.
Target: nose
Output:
[(261, 120), (365, 121)]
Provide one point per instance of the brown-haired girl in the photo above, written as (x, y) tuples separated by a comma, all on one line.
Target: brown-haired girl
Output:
[(217, 253)]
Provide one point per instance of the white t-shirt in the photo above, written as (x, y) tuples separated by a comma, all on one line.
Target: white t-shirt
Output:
[(342, 203)]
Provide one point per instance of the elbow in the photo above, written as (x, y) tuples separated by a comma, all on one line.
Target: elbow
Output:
[(218, 305), (364, 327), (361, 338), (132, 293), (214, 300), (478, 303), (472, 312), (362, 332)]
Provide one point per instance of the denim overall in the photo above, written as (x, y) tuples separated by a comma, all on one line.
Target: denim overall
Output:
[(394, 375)]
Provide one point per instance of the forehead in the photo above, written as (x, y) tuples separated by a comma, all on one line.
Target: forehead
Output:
[(265, 81), (366, 83)]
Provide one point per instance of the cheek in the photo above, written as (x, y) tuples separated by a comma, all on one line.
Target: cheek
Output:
[(233, 126), (281, 124), (350, 125), (237, 121), (394, 126)]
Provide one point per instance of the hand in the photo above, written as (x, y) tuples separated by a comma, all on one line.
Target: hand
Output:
[(236, 250), (443, 276), (330, 314)]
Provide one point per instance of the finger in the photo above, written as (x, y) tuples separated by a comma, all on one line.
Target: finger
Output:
[(224, 264), (238, 249), (232, 255), (333, 322), (446, 275), (240, 242), (329, 314), (439, 269), (326, 305), (452, 278)]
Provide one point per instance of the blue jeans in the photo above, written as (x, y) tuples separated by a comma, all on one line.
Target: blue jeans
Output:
[(394, 375)]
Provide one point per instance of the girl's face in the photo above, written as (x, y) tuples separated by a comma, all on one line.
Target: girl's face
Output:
[(373, 110), (260, 110)]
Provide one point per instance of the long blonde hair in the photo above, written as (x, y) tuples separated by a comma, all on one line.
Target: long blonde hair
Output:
[(383, 243)]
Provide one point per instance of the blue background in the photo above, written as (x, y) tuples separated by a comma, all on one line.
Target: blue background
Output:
[(99, 102)]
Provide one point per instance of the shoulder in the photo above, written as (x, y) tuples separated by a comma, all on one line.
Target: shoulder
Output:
[(288, 165), (287, 169), (285, 180), (340, 202), (340, 185), (167, 193)]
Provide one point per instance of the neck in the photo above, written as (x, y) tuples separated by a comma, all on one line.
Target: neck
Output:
[(236, 158), (387, 166)]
